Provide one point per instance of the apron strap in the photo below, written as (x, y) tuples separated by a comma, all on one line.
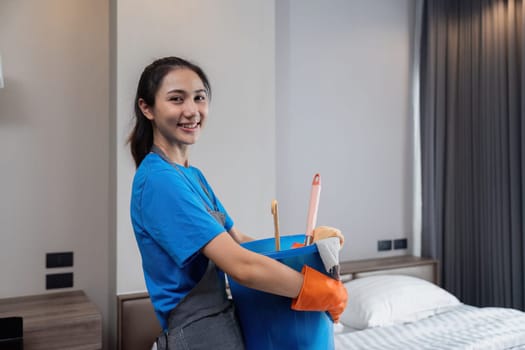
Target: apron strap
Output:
[(155, 149)]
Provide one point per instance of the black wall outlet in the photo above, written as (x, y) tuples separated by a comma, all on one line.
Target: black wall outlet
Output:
[(384, 245), (400, 243), (59, 259), (59, 280)]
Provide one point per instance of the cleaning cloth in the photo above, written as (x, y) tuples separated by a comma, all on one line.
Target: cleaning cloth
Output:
[(329, 251)]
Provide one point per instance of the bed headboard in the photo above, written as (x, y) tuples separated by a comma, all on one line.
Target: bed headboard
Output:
[(138, 326), (408, 265)]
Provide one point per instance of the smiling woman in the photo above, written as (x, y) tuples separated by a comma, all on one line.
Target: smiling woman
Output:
[(184, 234), (171, 105), (178, 113)]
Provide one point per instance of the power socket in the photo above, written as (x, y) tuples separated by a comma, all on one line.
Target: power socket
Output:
[(384, 245), (63, 259), (400, 243), (59, 280)]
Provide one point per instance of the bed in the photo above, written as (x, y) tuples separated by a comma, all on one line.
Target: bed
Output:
[(394, 303), (404, 312)]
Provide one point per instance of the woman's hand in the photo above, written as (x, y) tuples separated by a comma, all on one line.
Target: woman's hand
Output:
[(321, 293)]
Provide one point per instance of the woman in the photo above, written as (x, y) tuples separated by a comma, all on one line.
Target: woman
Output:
[(185, 236)]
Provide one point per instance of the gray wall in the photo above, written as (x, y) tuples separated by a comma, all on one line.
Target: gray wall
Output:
[(54, 180), (343, 110)]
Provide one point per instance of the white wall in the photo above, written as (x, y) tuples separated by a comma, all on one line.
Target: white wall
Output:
[(54, 140), (343, 110), (233, 40)]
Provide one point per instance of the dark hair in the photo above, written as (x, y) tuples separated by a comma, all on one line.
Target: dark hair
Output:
[(141, 138)]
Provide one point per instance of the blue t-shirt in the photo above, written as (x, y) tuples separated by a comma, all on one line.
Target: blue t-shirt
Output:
[(172, 224)]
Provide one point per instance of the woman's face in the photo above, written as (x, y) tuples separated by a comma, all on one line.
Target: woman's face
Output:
[(181, 107)]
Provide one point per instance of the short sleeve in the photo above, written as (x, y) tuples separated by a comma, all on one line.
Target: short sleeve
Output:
[(175, 217)]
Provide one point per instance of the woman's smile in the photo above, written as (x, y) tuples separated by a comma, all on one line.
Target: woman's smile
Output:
[(189, 126)]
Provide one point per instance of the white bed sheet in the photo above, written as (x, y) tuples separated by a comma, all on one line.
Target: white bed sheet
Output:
[(462, 327)]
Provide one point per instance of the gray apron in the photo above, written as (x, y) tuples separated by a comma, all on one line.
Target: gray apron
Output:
[(205, 318)]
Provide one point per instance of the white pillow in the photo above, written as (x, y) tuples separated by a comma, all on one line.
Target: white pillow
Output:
[(388, 299)]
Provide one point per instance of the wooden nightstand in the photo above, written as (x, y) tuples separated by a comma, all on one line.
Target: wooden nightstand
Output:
[(64, 320), (404, 265)]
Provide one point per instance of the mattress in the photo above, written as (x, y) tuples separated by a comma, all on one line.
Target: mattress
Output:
[(461, 327)]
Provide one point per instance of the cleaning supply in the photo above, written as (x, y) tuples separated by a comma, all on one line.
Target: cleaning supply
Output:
[(312, 209), (329, 241), (322, 232), (329, 251), (320, 292), (275, 214), (267, 320)]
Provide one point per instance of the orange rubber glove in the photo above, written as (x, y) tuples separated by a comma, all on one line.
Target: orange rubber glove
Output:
[(321, 293)]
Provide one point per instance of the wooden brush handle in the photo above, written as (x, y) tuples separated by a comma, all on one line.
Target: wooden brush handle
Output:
[(275, 213)]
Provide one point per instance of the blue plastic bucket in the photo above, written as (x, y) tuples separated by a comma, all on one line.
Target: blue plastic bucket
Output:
[(266, 319)]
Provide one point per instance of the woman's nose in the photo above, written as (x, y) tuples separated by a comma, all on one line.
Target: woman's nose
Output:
[(190, 108)]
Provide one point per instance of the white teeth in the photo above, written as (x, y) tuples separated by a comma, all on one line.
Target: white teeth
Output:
[(189, 126)]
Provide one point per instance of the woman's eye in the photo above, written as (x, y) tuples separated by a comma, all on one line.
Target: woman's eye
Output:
[(200, 98), (177, 99)]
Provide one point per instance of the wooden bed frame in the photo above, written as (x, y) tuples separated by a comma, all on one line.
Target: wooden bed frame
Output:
[(138, 327), (137, 324)]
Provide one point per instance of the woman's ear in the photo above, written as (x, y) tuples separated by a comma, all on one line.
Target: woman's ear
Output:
[(145, 109)]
